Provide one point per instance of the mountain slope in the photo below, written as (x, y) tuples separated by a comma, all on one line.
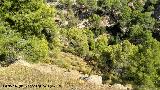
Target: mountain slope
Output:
[(24, 73)]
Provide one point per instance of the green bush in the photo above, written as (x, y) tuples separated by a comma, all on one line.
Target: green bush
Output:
[(8, 50), (12, 46), (77, 42), (115, 57), (101, 42), (144, 70), (128, 63), (125, 62), (35, 49)]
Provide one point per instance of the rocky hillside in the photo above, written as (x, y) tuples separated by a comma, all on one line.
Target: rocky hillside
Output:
[(24, 73), (80, 44)]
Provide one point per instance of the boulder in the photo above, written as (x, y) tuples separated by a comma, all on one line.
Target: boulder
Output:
[(93, 79)]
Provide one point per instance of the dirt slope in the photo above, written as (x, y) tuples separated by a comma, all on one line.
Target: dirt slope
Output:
[(24, 73)]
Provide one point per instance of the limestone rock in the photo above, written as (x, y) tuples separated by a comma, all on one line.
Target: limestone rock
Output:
[(93, 79)]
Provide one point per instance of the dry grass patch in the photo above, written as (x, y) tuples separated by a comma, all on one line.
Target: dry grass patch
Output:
[(60, 78)]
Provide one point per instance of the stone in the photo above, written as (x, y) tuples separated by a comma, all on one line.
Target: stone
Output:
[(95, 79), (122, 87)]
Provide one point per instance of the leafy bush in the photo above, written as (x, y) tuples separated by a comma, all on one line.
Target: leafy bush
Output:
[(8, 49), (128, 63), (77, 42), (35, 49), (146, 64), (121, 56), (102, 42), (114, 58)]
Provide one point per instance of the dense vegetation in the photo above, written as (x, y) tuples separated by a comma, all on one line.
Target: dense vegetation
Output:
[(118, 39)]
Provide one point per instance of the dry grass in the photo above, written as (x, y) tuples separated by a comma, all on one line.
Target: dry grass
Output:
[(61, 79)]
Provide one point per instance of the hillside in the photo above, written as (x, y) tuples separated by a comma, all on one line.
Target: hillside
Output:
[(79, 43), (24, 73)]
